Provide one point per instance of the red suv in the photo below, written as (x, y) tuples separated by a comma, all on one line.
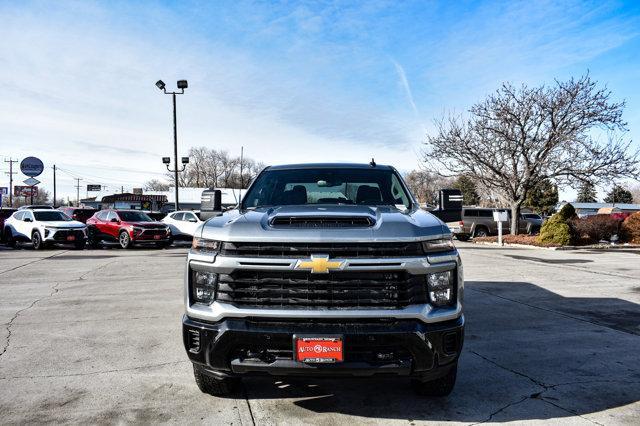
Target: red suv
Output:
[(127, 227)]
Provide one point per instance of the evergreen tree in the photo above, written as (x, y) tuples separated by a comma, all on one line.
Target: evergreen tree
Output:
[(619, 194), (543, 198), (468, 188), (587, 193)]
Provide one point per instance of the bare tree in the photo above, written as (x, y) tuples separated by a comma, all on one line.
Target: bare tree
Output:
[(156, 185), (425, 185), (518, 137), (218, 169)]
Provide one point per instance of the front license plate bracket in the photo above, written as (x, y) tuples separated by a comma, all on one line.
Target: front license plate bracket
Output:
[(318, 349)]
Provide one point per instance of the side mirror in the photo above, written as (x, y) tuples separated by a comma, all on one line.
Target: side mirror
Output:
[(115, 220), (27, 219)]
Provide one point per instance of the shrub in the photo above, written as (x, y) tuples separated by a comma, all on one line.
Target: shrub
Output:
[(592, 229), (631, 228), (556, 230)]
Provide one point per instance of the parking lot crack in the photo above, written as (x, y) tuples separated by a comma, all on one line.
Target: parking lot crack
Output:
[(575, 413), (9, 325), (540, 395), (501, 409), (531, 379), (32, 262)]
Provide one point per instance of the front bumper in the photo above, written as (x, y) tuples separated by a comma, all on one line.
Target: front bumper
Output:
[(261, 346), (63, 235)]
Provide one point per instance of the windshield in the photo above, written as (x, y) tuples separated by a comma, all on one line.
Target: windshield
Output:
[(51, 216), (134, 217), (373, 187)]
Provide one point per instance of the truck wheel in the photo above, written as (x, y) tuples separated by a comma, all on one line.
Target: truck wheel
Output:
[(438, 387), (8, 238), (125, 240), (36, 240), (213, 385), (481, 232), (462, 237)]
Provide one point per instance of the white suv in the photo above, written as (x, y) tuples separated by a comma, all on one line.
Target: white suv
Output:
[(42, 227), (183, 224)]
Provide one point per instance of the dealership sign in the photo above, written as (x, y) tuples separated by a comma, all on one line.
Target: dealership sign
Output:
[(31, 181), (31, 166), (4, 190), (25, 191), (93, 187)]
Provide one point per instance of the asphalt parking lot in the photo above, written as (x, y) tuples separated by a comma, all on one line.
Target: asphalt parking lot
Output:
[(94, 336)]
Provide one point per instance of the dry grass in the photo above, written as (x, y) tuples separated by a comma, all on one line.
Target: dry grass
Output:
[(529, 240)]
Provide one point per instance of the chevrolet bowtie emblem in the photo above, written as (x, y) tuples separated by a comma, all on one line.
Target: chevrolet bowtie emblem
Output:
[(319, 264)]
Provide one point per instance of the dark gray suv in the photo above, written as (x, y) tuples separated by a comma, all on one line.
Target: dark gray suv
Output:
[(478, 222)]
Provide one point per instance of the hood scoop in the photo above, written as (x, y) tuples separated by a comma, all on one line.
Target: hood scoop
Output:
[(322, 222)]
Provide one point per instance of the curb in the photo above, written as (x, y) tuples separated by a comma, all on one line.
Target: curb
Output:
[(602, 247)]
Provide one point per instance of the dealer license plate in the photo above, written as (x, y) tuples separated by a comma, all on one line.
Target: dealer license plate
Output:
[(71, 238), (319, 349)]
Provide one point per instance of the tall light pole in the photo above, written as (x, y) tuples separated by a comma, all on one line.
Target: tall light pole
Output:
[(182, 84)]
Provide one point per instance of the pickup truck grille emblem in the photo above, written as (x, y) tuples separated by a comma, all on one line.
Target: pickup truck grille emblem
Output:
[(319, 264)]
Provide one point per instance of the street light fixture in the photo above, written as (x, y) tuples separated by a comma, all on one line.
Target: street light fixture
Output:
[(182, 84)]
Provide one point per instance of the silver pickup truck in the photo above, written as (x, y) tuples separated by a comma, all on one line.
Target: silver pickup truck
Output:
[(324, 270)]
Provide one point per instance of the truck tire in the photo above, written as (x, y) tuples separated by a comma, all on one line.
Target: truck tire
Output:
[(213, 385), (481, 231), (36, 240), (125, 240), (438, 387)]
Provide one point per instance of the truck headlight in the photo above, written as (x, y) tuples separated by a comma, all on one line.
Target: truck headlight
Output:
[(203, 244), (440, 287), (203, 286), (439, 245)]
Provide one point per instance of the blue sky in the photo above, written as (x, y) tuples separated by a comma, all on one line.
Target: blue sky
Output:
[(291, 82)]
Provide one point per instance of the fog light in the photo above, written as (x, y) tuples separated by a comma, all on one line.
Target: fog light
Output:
[(440, 286), (204, 286)]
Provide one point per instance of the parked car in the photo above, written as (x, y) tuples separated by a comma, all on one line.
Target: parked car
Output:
[(157, 216), (36, 206), (77, 213), (43, 227), (478, 222), (183, 224), (5, 212), (127, 227)]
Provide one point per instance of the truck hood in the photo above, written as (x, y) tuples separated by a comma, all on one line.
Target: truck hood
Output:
[(389, 224)]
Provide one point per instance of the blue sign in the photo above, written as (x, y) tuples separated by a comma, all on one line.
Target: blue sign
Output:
[(31, 166)]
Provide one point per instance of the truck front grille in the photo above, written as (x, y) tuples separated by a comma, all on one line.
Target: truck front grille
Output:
[(335, 290), (334, 250)]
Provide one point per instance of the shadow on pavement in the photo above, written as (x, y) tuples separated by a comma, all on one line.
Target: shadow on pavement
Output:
[(530, 354)]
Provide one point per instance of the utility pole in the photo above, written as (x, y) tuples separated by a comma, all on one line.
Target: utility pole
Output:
[(11, 173), (77, 191), (54, 186)]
